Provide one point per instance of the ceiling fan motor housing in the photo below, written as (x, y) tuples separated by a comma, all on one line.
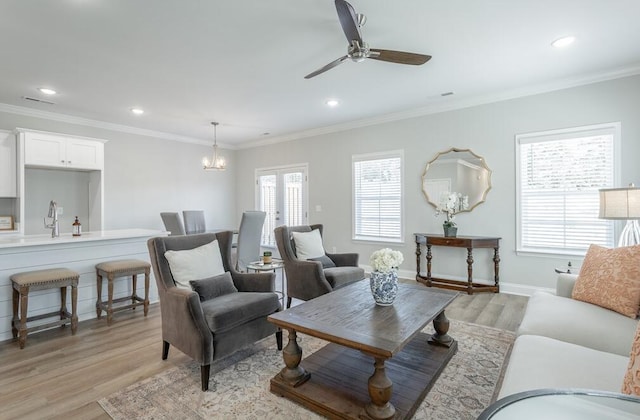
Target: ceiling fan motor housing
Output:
[(358, 52)]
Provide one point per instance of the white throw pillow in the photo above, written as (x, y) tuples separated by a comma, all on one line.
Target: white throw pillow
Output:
[(195, 264), (308, 244)]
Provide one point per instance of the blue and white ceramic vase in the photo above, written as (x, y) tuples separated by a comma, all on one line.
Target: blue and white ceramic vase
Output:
[(384, 287)]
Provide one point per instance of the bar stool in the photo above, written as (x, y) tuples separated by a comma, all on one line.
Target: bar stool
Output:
[(51, 278), (121, 268)]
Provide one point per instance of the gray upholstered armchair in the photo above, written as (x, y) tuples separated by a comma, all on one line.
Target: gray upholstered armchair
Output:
[(309, 279), (210, 329)]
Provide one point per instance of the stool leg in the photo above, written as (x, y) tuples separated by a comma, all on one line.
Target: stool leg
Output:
[(110, 299), (24, 301), (74, 309), (16, 319), (99, 290), (146, 292), (63, 303), (134, 281)]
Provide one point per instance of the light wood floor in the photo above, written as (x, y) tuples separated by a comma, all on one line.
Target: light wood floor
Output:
[(62, 376)]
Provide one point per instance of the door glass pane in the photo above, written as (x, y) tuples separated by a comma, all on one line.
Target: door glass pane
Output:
[(293, 199), (267, 197)]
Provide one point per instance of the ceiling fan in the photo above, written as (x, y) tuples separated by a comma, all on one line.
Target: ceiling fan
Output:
[(358, 50)]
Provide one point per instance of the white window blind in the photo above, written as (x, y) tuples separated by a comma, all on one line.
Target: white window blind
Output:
[(293, 196), (377, 197), (559, 178)]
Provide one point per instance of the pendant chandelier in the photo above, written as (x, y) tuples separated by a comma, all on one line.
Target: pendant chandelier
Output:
[(217, 162)]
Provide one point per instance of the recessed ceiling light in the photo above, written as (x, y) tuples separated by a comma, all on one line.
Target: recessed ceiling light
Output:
[(137, 111), (332, 103), (47, 91), (563, 42)]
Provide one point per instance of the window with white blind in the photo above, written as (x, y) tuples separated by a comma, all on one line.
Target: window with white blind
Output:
[(558, 175), (281, 193), (378, 197)]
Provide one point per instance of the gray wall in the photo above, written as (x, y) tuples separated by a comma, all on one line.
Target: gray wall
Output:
[(144, 176), (489, 131)]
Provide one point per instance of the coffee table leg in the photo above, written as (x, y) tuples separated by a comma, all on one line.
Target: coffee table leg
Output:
[(293, 374), (380, 388), (441, 325)]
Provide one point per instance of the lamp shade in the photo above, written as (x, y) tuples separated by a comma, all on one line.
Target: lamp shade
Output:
[(620, 203)]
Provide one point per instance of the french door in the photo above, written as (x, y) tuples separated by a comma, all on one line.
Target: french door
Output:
[(282, 193)]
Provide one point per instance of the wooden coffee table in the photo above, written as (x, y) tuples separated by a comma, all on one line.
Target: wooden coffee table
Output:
[(378, 364)]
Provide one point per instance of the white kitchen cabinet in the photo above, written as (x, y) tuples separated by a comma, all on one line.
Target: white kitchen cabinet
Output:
[(58, 151), (7, 165)]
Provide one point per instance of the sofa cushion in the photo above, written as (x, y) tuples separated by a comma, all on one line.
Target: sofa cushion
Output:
[(611, 278), (195, 264), (214, 286), (342, 276), (325, 261), (229, 311), (631, 383), (308, 244), (578, 322), (542, 362)]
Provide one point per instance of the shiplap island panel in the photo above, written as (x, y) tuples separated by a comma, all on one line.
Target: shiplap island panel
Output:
[(81, 254)]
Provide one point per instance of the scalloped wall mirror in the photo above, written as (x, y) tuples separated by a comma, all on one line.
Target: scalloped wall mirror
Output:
[(457, 170)]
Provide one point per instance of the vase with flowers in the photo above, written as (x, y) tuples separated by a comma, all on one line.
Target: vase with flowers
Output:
[(450, 204), (384, 277)]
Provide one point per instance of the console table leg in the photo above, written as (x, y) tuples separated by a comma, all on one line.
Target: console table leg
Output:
[(496, 266), (469, 271), (441, 325), (293, 374), (380, 389), (429, 256), (418, 253)]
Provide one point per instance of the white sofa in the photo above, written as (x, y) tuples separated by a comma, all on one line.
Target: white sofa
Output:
[(565, 343)]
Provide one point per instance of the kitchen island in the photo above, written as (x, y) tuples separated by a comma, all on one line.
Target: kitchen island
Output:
[(79, 253)]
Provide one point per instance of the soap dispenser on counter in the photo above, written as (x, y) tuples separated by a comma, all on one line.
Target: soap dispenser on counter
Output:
[(77, 227)]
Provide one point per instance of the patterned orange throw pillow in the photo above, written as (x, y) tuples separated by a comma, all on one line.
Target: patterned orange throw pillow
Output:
[(611, 278), (631, 383)]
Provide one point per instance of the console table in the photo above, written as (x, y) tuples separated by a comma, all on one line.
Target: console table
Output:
[(469, 242)]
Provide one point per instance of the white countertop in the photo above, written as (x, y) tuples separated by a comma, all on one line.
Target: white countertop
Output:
[(66, 238)]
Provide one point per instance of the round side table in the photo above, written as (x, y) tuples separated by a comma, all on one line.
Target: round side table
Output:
[(259, 266), (565, 404)]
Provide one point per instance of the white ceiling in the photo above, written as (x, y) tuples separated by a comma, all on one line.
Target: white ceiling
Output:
[(243, 62)]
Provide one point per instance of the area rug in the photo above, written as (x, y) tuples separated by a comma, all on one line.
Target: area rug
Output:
[(239, 384)]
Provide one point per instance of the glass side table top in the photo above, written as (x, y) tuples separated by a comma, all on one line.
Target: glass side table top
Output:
[(565, 404), (260, 266)]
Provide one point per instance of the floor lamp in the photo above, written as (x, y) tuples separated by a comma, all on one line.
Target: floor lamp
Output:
[(623, 204)]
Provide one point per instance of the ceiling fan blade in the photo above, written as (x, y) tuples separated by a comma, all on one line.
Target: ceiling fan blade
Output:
[(400, 57), (348, 21), (327, 67)]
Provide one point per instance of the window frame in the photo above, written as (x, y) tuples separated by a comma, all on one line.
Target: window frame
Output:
[(391, 154), (612, 128)]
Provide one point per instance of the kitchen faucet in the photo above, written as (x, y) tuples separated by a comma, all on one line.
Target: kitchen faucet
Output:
[(53, 214)]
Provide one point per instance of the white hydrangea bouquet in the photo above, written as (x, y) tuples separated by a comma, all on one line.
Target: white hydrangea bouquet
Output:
[(385, 260), (450, 204)]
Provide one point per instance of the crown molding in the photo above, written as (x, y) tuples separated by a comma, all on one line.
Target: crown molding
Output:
[(54, 116), (462, 103), (453, 105)]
